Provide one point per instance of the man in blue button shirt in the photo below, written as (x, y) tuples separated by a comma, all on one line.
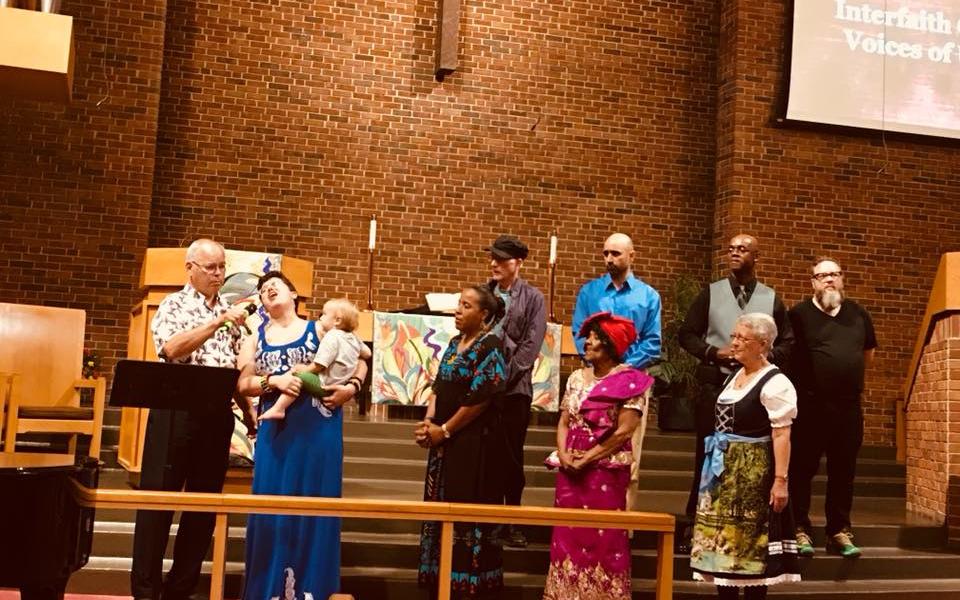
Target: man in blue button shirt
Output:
[(622, 293)]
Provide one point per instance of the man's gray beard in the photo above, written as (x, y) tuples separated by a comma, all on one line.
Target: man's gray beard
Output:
[(830, 299)]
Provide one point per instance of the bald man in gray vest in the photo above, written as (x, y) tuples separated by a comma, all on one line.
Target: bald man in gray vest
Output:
[(706, 335)]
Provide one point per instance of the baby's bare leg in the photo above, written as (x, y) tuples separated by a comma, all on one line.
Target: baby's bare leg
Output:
[(279, 409)]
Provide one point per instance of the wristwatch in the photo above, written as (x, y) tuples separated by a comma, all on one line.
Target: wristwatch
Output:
[(446, 432)]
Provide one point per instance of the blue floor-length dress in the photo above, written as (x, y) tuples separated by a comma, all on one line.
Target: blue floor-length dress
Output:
[(301, 455)]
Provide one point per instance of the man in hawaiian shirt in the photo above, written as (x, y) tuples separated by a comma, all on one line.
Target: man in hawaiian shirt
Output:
[(186, 450)]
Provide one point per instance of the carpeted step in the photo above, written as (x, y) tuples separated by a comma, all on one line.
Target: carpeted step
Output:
[(112, 577), (371, 546)]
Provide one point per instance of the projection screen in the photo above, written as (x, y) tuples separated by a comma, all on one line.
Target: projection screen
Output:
[(891, 65)]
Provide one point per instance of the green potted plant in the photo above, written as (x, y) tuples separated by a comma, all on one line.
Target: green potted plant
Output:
[(676, 371)]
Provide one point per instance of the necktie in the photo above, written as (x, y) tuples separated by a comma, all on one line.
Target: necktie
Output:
[(741, 297)]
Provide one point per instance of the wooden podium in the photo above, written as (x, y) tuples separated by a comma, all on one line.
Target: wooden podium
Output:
[(164, 272)]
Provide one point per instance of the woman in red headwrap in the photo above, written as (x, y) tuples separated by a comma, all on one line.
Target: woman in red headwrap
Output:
[(601, 408)]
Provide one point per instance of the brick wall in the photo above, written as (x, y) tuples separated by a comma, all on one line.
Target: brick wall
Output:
[(284, 126), (933, 429), (927, 458), (579, 118), (885, 210), (75, 180)]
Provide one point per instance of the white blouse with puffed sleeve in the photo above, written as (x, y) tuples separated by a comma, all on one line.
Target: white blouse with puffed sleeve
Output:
[(778, 396)]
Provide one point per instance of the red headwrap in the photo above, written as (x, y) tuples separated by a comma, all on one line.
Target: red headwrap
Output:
[(620, 330)]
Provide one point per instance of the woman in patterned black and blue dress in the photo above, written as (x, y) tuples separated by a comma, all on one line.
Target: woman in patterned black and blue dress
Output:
[(462, 431), (302, 455)]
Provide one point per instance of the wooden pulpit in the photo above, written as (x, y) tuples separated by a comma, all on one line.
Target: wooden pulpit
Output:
[(164, 272)]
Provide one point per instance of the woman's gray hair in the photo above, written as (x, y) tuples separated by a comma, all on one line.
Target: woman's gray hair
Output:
[(762, 325)]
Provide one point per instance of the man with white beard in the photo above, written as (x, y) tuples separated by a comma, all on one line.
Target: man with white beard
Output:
[(834, 344)]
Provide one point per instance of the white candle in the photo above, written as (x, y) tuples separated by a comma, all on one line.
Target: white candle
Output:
[(373, 233), (553, 249)]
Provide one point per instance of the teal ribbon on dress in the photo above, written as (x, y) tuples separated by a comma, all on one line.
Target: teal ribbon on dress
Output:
[(715, 447)]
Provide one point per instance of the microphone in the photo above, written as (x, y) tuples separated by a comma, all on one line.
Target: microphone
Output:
[(250, 308)]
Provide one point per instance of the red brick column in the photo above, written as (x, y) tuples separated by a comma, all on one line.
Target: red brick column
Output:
[(933, 429)]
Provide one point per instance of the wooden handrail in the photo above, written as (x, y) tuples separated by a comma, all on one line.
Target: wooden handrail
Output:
[(944, 298), (404, 510)]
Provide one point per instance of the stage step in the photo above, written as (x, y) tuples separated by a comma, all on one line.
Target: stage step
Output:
[(534, 454), (371, 542), (902, 554), (539, 435), (385, 583), (397, 584), (651, 478)]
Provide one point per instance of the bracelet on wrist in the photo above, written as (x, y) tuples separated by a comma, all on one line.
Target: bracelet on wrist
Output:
[(781, 477), (355, 386), (446, 432)]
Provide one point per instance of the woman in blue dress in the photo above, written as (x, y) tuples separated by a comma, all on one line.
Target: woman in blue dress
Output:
[(302, 455), (465, 463)]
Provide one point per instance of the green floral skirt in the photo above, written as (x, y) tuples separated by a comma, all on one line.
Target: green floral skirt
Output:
[(737, 539)]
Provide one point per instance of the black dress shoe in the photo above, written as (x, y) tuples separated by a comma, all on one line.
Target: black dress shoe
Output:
[(193, 596), (515, 538), (683, 541)]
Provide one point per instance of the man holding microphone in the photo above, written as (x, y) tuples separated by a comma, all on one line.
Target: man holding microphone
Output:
[(187, 450)]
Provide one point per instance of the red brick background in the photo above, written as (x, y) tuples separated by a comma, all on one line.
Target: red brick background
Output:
[(75, 180), (559, 118), (932, 450), (886, 209), (283, 126)]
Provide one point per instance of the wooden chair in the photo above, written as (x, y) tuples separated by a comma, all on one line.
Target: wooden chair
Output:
[(42, 355)]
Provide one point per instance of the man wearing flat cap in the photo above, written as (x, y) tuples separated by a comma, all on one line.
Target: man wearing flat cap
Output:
[(521, 329)]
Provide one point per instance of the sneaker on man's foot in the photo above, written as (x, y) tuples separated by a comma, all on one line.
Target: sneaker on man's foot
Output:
[(842, 544), (804, 543)]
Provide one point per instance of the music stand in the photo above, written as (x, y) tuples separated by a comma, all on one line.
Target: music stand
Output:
[(171, 387)]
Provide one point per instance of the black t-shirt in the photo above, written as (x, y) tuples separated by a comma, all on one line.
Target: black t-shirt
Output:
[(828, 352)]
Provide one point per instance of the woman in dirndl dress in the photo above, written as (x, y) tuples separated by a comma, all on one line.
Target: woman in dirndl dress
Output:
[(743, 534)]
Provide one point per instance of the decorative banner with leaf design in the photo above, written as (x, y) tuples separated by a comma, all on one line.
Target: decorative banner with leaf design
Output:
[(407, 349), (546, 371)]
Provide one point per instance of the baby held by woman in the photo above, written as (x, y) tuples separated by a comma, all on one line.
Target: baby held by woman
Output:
[(335, 361)]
